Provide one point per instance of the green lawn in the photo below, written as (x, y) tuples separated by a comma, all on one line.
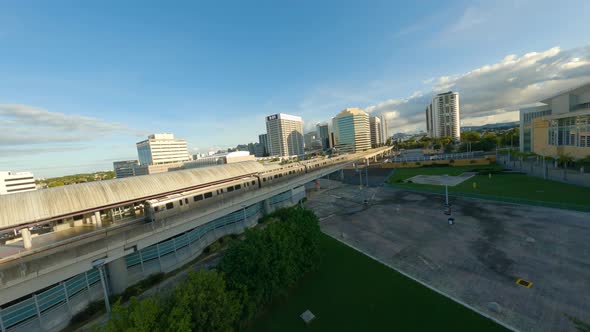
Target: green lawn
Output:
[(519, 188), (352, 292)]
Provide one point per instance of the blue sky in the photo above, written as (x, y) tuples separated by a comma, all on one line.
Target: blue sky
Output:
[(81, 82)]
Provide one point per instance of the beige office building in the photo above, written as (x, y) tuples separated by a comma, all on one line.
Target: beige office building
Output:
[(162, 149), (285, 135), (351, 130)]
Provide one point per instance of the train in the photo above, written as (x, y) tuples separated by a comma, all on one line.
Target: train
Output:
[(210, 194)]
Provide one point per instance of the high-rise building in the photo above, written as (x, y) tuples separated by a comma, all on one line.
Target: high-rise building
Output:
[(351, 130), (308, 138), (162, 149), (443, 116), (285, 135), (323, 134), (263, 141), (14, 182), (376, 134), (124, 168), (384, 129)]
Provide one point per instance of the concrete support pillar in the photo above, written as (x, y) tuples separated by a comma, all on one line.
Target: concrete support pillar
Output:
[(93, 219), (266, 206), (98, 219), (26, 235), (118, 275)]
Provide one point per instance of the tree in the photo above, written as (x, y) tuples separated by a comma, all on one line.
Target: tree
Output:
[(139, 316), (470, 136), (203, 303), (510, 137)]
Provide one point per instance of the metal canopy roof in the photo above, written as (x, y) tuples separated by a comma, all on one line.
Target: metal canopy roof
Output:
[(34, 206)]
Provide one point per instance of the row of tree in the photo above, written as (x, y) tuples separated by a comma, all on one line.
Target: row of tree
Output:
[(76, 178), (470, 141), (251, 274)]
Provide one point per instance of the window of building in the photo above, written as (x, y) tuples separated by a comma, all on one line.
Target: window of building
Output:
[(198, 198), (208, 195), (169, 205)]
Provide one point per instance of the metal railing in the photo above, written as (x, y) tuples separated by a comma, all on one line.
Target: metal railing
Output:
[(169, 246), (504, 199), (37, 304)]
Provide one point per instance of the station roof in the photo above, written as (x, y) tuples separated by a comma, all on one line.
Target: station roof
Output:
[(55, 203)]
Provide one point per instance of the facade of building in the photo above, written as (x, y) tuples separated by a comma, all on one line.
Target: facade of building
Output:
[(443, 116), (263, 141), (376, 131), (15, 182), (323, 134), (384, 129), (285, 135), (124, 168), (220, 159), (309, 139), (161, 149), (559, 127), (351, 130)]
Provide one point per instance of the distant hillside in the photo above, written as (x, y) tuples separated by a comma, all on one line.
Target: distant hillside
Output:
[(503, 125)]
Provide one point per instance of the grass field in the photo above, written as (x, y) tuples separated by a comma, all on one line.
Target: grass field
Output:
[(505, 186), (352, 292)]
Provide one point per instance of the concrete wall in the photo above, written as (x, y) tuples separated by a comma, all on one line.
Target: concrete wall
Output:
[(541, 146), (459, 162)]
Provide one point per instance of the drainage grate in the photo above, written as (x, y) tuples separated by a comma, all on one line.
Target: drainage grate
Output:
[(524, 283)]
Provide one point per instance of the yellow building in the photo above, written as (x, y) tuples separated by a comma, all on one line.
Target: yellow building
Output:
[(560, 127)]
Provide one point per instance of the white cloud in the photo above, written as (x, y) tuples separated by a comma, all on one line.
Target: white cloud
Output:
[(24, 124), (493, 93)]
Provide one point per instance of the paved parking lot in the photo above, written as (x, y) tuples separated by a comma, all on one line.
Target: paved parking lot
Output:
[(480, 257)]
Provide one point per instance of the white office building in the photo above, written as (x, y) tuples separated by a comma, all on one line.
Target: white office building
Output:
[(376, 131), (161, 149), (443, 116), (285, 135), (12, 182), (384, 129)]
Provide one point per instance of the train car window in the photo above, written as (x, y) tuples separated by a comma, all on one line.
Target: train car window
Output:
[(156, 209), (180, 201), (276, 176), (253, 182), (281, 175), (186, 200), (208, 195), (263, 179), (238, 187), (198, 198), (169, 205), (230, 189)]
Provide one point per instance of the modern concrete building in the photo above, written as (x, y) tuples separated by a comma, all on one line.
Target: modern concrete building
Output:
[(124, 168), (263, 141), (15, 182), (376, 131), (285, 135), (443, 116), (323, 134), (559, 127), (351, 130), (162, 149)]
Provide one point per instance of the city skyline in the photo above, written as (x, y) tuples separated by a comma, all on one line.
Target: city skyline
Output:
[(76, 95)]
